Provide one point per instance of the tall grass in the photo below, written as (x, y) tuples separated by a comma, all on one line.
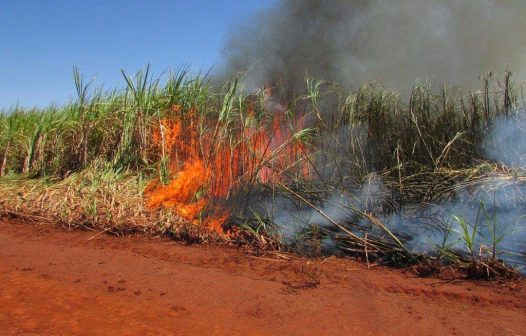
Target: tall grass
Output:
[(431, 130), (329, 138)]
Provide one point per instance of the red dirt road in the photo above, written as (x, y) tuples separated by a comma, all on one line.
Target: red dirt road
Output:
[(60, 283)]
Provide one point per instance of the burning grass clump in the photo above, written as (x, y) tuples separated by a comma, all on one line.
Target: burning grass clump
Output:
[(328, 171)]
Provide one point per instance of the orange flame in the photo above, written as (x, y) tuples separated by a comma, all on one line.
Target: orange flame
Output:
[(180, 193), (204, 169)]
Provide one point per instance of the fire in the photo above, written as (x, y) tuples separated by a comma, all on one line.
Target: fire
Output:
[(180, 193), (206, 167)]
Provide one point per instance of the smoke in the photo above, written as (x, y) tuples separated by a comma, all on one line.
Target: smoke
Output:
[(396, 42), (340, 206), (393, 41), (506, 142), (494, 210), (494, 206)]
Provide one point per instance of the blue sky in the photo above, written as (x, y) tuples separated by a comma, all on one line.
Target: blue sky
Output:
[(40, 41)]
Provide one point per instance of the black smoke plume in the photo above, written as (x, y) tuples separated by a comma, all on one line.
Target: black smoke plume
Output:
[(392, 41)]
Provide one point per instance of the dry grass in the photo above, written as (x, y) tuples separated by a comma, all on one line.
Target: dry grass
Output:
[(86, 165), (88, 200)]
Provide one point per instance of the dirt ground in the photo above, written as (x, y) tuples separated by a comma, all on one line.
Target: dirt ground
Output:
[(64, 283)]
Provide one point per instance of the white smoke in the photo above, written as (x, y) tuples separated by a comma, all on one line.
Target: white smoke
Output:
[(506, 142)]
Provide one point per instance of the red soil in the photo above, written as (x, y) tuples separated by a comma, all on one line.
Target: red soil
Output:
[(61, 283)]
